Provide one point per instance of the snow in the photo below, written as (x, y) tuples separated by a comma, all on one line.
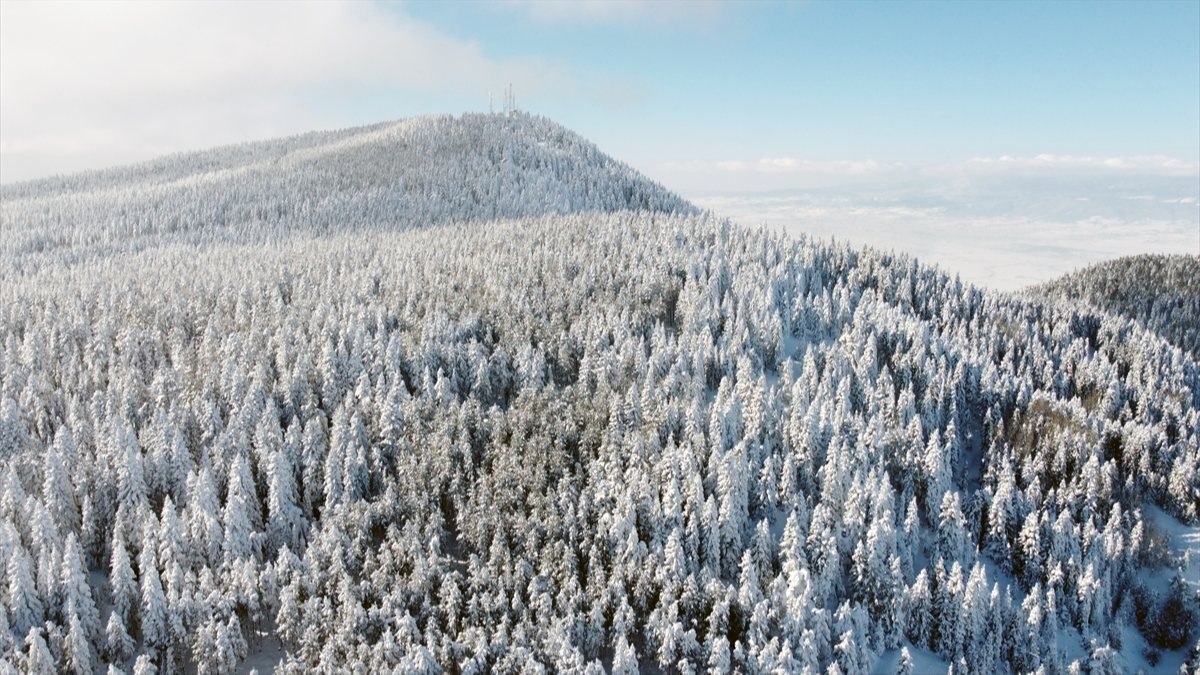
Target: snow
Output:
[(924, 662), (265, 653), (1133, 654), (1071, 645), (98, 579), (1184, 542)]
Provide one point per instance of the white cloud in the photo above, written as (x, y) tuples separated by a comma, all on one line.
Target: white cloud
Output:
[(850, 168), (789, 172), (1155, 164), (778, 165), (97, 83), (727, 165), (771, 173), (620, 11), (1005, 248), (841, 167)]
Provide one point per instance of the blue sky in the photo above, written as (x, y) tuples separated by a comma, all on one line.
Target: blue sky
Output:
[(660, 84), (929, 81)]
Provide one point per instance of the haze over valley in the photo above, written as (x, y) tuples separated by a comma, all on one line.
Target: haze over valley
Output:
[(1001, 231)]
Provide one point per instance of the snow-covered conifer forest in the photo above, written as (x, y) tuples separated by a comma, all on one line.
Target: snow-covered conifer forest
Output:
[(1161, 291), (465, 395)]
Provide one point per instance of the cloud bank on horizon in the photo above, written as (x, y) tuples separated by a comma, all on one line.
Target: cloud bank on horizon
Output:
[(1002, 229), (767, 173)]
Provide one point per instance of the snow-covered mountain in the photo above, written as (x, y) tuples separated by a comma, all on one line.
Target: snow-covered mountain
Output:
[(396, 175), (1160, 291), (576, 442)]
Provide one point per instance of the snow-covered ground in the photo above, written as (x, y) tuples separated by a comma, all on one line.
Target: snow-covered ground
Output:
[(1184, 541), (265, 652), (924, 662)]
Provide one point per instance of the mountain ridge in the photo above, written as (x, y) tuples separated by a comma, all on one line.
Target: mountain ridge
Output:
[(1162, 292), (394, 175)]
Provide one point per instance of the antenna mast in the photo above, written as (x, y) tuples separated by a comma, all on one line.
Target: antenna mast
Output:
[(510, 100)]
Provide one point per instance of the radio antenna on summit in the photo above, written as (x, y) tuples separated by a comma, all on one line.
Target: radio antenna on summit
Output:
[(510, 100)]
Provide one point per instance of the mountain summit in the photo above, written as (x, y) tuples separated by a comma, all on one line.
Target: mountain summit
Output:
[(395, 175)]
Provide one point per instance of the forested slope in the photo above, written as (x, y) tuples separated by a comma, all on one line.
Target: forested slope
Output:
[(1160, 291), (579, 442), (396, 175)]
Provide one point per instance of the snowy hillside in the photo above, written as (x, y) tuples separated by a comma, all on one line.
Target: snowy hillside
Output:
[(1160, 291), (396, 175), (573, 443)]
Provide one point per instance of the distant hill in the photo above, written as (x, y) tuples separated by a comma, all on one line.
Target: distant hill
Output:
[(1162, 292), (395, 175)]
